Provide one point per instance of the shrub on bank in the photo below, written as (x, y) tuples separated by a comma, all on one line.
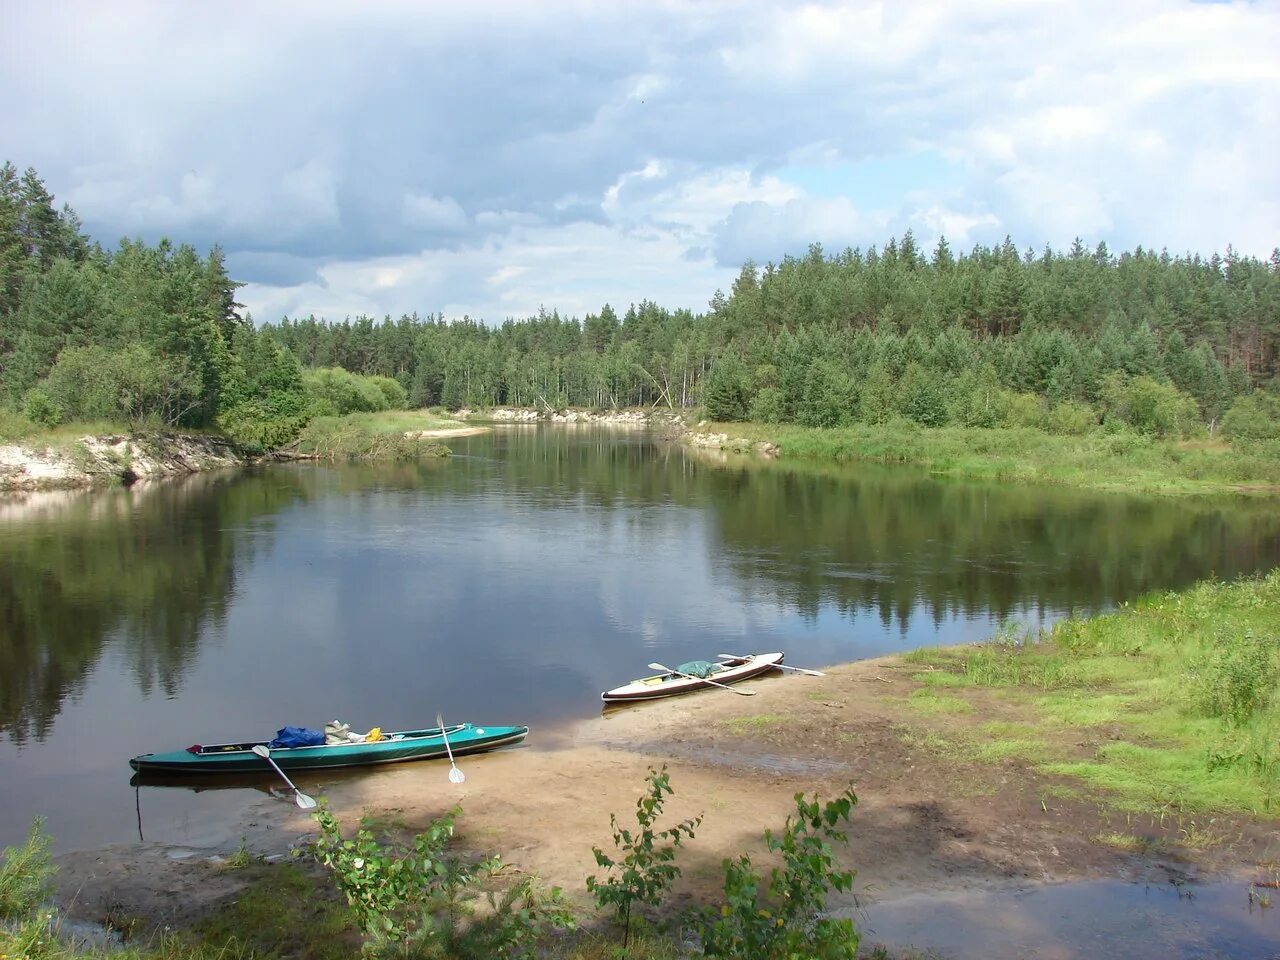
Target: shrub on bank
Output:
[(337, 391), (1255, 417)]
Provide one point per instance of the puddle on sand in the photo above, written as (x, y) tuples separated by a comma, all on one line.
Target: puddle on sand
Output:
[(1105, 918)]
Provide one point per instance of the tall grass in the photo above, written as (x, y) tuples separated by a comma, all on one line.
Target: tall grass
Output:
[(1104, 460), (376, 436), (1185, 684), (16, 428)]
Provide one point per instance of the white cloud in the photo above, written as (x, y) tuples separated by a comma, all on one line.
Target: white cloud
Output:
[(495, 157), (434, 213)]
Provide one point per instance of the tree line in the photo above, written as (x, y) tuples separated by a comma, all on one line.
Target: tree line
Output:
[(1058, 340), (992, 337)]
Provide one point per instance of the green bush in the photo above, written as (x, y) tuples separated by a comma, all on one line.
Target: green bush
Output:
[(786, 921), (1253, 417), (644, 871), (418, 895), (25, 875), (38, 407), (14, 425), (134, 384), (1071, 418), (1024, 410), (267, 423), (1149, 406), (1236, 678), (354, 438), (394, 395), (348, 392)]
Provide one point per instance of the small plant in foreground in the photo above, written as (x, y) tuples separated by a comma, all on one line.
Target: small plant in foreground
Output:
[(644, 872), (787, 921), (417, 896), (25, 874), (1236, 678)]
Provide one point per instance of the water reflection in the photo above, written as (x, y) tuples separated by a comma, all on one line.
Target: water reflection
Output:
[(146, 565), (511, 583)]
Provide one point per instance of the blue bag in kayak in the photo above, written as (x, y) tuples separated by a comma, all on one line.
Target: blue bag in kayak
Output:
[(296, 737)]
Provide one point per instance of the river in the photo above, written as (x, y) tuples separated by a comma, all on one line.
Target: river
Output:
[(510, 583)]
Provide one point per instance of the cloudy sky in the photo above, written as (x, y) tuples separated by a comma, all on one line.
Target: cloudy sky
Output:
[(488, 158)]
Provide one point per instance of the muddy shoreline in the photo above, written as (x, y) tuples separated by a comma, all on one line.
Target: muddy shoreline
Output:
[(925, 823)]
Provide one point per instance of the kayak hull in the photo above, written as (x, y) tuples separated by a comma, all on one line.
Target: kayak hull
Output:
[(396, 747), (668, 685)]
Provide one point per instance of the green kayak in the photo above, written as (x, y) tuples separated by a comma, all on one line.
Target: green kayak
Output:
[(392, 748)]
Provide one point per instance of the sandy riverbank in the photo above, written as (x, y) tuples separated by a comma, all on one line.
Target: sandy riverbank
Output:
[(925, 821)]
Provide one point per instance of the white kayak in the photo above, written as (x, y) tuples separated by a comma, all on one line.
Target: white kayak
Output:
[(673, 683)]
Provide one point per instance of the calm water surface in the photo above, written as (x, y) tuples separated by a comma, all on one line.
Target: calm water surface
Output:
[(511, 583)]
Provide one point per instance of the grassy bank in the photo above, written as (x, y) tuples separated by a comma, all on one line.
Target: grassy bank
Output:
[(1099, 460), (351, 436), (16, 428), (373, 436), (1168, 706)]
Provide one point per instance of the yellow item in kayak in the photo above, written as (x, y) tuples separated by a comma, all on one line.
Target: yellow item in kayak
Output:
[(373, 735)]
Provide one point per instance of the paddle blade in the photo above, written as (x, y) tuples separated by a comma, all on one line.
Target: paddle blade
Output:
[(658, 666), (455, 775), (261, 751), (305, 802)]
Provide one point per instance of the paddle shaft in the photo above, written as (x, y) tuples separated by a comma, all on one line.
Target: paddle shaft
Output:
[(453, 767), (780, 666), (689, 676), (304, 801)]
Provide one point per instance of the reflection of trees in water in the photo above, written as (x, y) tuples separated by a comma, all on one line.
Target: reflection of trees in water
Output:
[(150, 565), (894, 541), (889, 539)]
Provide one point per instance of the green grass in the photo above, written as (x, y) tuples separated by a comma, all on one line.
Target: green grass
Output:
[(1123, 841), (372, 436), (283, 912), (1031, 750), (1100, 460), (15, 428), (925, 700), (938, 678), (1169, 704), (389, 421), (755, 722)]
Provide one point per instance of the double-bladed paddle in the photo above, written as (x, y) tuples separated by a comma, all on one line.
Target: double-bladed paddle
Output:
[(305, 802), (780, 666), (455, 775), (689, 676)]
